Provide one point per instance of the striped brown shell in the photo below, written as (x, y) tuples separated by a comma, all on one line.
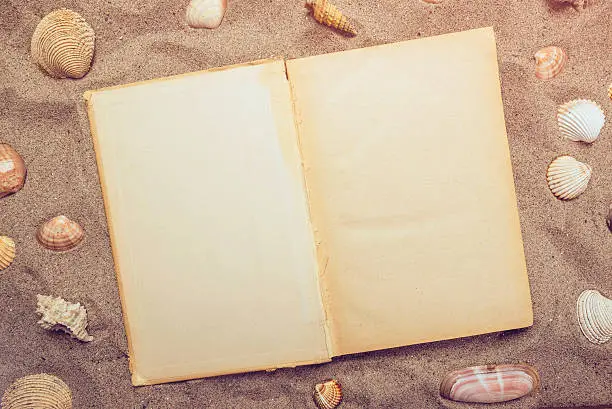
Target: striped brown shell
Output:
[(549, 62), (328, 395), (40, 391), (60, 234), (327, 14), (63, 44), (7, 252), (12, 170)]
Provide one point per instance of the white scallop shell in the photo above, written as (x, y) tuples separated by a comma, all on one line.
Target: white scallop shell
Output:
[(205, 13), (567, 177), (41, 391), (595, 316), (581, 120)]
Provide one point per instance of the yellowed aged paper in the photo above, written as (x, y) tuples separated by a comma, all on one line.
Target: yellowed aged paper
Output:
[(209, 223), (411, 191)]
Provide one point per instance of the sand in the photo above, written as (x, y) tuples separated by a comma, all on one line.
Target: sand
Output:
[(568, 247)]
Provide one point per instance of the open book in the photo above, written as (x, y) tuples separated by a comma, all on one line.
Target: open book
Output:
[(281, 213)]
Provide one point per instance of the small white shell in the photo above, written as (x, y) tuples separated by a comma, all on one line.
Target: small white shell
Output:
[(567, 177), (595, 316), (205, 13), (581, 120), (60, 315)]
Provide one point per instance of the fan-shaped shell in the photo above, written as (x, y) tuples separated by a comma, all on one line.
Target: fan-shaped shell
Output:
[(12, 170), (205, 13), (595, 316), (63, 44), (40, 391), (328, 394), (549, 62), (58, 314), (7, 252), (60, 234), (581, 120), (567, 177), (327, 14), (490, 383)]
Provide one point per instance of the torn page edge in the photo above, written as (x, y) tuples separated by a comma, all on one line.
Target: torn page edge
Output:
[(320, 252)]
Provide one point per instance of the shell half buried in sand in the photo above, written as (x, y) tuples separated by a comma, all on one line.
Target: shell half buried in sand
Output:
[(40, 391), (63, 44), (549, 62), (61, 315), (490, 383), (595, 316), (581, 120), (12, 170), (60, 234), (567, 177), (7, 252), (328, 395), (205, 13), (327, 14)]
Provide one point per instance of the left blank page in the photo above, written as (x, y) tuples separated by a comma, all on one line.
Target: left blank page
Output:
[(209, 223)]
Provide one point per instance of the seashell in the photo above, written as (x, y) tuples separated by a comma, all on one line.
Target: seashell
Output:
[(40, 391), (328, 394), (549, 62), (577, 4), (60, 234), (490, 383), (63, 44), (205, 13), (567, 177), (327, 14), (595, 316), (7, 252), (60, 315), (432, 1), (12, 170), (610, 91), (609, 219), (581, 120)]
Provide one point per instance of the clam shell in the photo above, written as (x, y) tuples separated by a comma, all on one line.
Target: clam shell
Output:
[(12, 170), (205, 13), (7, 252), (60, 234), (63, 44), (328, 394), (549, 62), (327, 14), (567, 177), (58, 314), (595, 316), (40, 391), (490, 383), (581, 120)]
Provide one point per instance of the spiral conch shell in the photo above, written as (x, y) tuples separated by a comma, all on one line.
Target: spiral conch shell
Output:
[(549, 62), (12, 170), (40, 391), (490, 383), (581, 120), (61, 315), (327, 14), (595, 316), (63, 44), (205, 13), (7, 252), (567, 177), (60, 234), (328, 394)]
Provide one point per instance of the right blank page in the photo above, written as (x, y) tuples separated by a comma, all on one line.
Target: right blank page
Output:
[(411, 191)]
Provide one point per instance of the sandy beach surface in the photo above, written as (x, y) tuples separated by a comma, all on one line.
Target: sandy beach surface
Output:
[(567, 245)]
